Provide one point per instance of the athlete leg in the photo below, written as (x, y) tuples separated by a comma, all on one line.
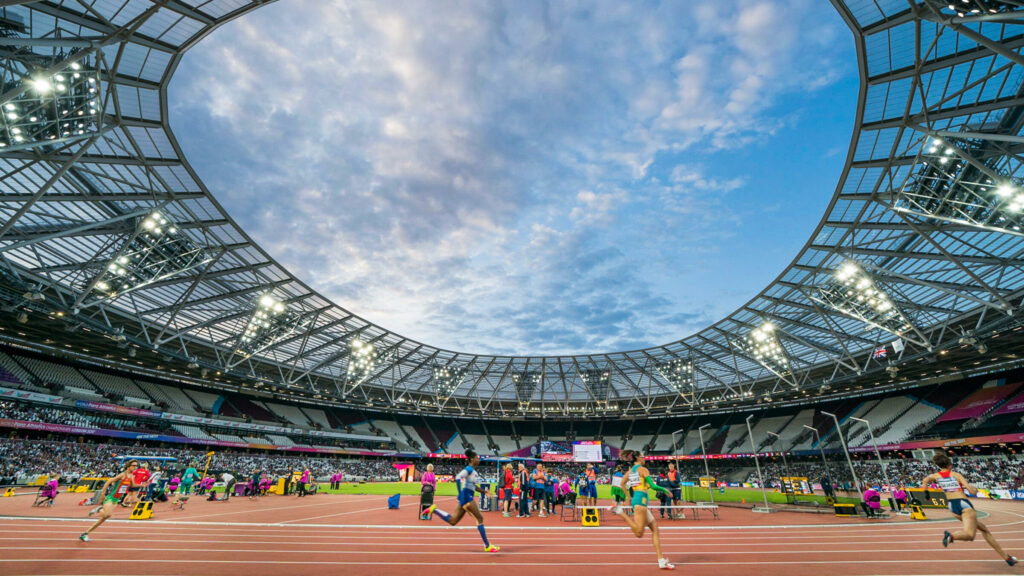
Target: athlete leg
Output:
[(970, 523), (656, 538), (987, 534), (105, 512)]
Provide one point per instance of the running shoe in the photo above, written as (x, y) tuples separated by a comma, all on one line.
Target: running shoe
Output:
[(430, 511), (947, 538), (95, 510), (506, 515), (491, 548), (542, 515), (617, 509), (85, 538), (664, 565), (1011, 560)]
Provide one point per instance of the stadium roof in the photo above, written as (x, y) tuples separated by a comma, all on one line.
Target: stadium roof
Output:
[(104, 222)]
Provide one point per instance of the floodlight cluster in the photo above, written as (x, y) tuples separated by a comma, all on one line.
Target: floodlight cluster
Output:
[(763, 345), (362, 361), (679, 373), (447, 379), (964, 8), (598, 382), (50, 108), (526, 382), (945, 185), (269, 322), (155, 251), (851, 290)]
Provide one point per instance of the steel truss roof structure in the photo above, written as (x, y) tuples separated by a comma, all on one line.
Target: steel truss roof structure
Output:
[(925, 210)]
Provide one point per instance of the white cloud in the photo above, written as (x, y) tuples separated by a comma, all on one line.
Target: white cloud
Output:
[(410, 159)]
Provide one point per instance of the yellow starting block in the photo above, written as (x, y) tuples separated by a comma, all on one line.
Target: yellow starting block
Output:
[(9, 492), (917, 513), (142, 511), (590, 517)]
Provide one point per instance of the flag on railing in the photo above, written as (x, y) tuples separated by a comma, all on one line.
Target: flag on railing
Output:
[(880, 353)]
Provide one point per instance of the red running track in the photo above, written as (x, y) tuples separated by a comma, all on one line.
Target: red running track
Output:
[(332, 535)]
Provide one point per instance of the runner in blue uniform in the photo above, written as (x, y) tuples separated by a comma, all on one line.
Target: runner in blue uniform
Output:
[(469, 484)]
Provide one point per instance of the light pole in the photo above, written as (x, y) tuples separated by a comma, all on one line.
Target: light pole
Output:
[(707, 471), (760, 478), (885, 473), (782, 445), (824, 462), (846, 452)]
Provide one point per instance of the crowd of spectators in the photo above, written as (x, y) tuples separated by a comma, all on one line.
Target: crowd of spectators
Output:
[(996, 472)]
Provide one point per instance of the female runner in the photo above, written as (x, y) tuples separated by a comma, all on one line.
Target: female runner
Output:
[(470, 484), (953, 484), (110, 503), (639, 479)]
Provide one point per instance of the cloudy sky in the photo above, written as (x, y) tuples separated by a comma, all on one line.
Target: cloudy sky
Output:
[(525, 177)]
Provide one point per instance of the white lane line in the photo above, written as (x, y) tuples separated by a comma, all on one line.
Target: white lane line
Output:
[(392, 528), (336, 514), (499, 561), (460, 540), (517, 551), (284, 506)]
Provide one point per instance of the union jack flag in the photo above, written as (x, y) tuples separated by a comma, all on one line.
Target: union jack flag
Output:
[(879, 353)]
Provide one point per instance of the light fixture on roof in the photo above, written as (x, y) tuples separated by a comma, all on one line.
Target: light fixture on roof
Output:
[(762, 345), (964, 179), (598, 383), (447, 379), (269, 322), (362, 361), (53, 99), (156, 250), (853, 291), (34, 295), (679, 373), (526, 382)]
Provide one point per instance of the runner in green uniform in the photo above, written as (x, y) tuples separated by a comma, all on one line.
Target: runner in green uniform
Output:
[(639, 479), (110, 503)]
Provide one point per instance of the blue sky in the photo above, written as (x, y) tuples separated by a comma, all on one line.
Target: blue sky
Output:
[(525, 177)]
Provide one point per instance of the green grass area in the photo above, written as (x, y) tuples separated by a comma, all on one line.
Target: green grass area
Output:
[(692, 493)]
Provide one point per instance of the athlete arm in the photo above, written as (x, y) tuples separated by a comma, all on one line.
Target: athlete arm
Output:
[(650, 482), (927, 481)]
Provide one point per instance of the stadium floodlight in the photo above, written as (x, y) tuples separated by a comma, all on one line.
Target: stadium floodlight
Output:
[(978, 8), (598, 382), (447, 379), (763, 346), (49, 100), (269, 322), (679, 373), (960, 179), (854, 292), (362, 361), (526, 382), (155, 251)]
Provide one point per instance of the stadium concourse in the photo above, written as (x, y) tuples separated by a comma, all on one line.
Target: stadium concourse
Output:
[(173, 400)]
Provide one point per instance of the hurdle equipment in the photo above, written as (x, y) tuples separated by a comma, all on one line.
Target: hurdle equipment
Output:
[(590, 517), (8, 492), (142, 511)]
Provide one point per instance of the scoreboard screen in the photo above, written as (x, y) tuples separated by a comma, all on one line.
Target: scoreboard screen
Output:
[(587, 451)]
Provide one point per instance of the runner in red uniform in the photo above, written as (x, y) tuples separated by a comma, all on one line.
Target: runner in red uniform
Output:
[(953, 484), (124, 481)]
